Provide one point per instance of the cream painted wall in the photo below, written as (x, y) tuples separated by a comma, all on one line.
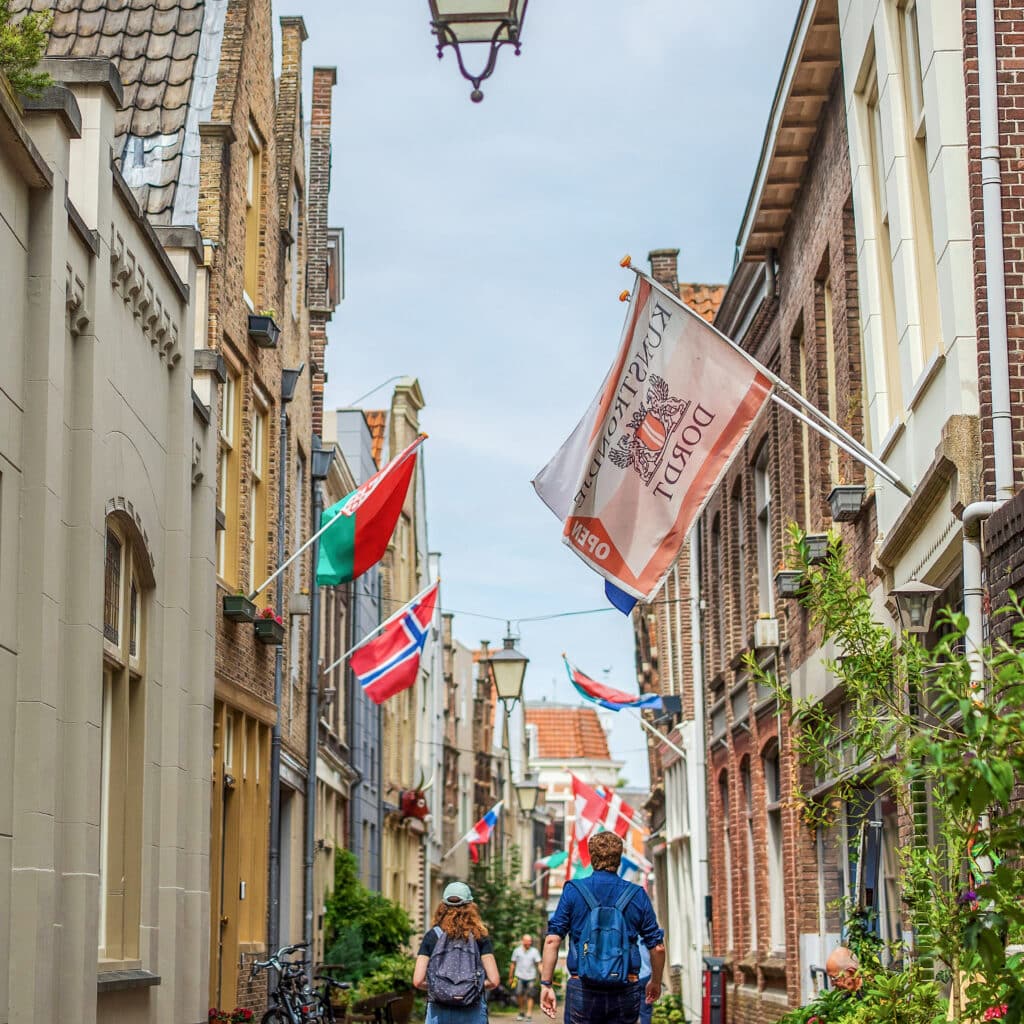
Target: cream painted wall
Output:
[(96, 411)]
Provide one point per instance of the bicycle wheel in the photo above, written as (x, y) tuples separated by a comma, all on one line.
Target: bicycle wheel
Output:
[(275, 1015)]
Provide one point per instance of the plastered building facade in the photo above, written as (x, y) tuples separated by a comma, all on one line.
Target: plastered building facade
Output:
[(106, 567)]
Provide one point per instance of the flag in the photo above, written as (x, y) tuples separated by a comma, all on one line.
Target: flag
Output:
[(618, 816), (589, 812), (364, 520), (607, 696), (554, 860), (633, 476), (390, 662), (619, 599), (481, 831)]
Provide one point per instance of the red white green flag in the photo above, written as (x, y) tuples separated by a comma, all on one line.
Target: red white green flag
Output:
[(362, 522)]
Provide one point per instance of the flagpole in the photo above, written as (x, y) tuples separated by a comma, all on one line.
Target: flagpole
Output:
[(399, 460), (861, 453), (497, 807), (662, 738), (373, 632)]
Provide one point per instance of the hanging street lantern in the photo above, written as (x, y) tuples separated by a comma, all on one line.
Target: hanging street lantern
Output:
[(508, 669), (480, 23), (527, 793), (914, 602)]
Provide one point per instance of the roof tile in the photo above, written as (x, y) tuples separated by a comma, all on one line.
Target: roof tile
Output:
[(567, 733), (376, 419)]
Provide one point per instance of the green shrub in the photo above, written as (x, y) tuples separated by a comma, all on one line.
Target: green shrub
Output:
[(393, 974), (22, 44)]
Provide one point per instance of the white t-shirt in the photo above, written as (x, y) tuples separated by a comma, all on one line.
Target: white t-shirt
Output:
[(525, 961)]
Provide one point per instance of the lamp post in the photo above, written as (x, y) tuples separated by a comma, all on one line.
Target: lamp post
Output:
[(289, 381), (914, 603), (508, 670), (320, 467), (490, 23)]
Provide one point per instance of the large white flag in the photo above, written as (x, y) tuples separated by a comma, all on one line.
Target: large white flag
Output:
[(635, 473)]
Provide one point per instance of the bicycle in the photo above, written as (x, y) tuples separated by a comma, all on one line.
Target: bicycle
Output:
[(293, 1000)]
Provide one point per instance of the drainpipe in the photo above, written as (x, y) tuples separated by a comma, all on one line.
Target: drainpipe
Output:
[(313, 721), (973, 516), (995, 283)]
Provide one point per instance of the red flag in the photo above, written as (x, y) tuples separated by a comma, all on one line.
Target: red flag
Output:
[(389, 663)]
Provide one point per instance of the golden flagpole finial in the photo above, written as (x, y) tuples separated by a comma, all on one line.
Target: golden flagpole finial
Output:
[(626, 262)]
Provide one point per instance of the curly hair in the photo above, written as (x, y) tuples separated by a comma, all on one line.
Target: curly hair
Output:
[(460, 922), (605, 851)]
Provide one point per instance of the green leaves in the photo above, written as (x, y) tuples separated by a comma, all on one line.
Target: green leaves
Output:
[(22, 44)]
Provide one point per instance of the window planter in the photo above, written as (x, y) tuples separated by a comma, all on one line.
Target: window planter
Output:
[(238, 608), (845, 501), (263, 330), (269, 631), (817, 547), (788, 582)]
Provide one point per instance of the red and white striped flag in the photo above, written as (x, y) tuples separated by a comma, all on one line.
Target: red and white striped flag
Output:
[(633, 476)]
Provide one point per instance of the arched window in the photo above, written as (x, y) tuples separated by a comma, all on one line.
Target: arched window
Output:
[(776, 893), (751, 864), (723, 797), (126, 580)]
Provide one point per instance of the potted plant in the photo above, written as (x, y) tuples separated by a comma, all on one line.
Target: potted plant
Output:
[(817, 547), (238, 607), (788, 581), (263, 328), (269, 627), (236, 1016), (845, 501)]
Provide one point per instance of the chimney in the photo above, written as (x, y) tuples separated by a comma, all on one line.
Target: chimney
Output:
[(665, 268)]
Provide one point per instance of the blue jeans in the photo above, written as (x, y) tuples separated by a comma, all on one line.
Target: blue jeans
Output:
[(457, 1014), (603, 1005)]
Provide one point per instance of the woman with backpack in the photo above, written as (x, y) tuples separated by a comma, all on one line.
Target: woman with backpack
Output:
[(456, 963)]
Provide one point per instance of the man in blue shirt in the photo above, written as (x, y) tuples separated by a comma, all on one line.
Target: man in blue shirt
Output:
[(590, 1004)]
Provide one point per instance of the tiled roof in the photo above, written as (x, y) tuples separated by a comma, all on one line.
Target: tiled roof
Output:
[(155, 45), (703, 298), (376, 420), (568, 733)]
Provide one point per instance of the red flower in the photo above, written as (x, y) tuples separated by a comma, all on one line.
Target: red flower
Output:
[(995, 1012)]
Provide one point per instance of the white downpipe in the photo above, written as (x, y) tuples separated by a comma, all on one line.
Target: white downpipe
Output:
[(995, 282), (972, 518)]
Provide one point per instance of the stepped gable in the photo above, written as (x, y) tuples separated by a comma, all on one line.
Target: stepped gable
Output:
[(155, 45), (568, 733)]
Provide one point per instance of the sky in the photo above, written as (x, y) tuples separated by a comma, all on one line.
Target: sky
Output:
[(482, 244)]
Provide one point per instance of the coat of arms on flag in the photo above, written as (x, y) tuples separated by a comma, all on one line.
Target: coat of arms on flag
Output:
[(634, 474)]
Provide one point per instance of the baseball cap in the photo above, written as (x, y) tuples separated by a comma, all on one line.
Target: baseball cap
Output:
[(457, 893)]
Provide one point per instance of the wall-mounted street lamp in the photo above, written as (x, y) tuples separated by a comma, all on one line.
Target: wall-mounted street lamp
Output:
[(289, 381), (490, 23), (527, 793), (508, 669), (914, 603)]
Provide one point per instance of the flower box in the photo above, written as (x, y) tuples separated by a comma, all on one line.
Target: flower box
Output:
[(269, 631), (263, 330), (238, 608), (845, 501), (788, 582), (817, 547)]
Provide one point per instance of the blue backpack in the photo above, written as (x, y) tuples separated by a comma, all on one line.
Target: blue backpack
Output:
[(602, 949)]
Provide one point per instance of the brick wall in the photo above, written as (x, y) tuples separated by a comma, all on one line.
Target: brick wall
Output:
[(1004, 564), (819, 246), (1009, 29)]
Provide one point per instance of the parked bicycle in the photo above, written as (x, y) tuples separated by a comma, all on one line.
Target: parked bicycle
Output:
[(293, 1000)]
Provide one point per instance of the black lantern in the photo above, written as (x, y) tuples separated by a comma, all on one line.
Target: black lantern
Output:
[(289, 380), (508, 669), (914, 602), (320, 466), (484, 23), (527, 793)]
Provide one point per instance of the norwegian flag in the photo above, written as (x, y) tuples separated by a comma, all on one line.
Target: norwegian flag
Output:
[(389, 663)]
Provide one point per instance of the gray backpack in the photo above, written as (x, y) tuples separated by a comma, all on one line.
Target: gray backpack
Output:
[(455, 974)]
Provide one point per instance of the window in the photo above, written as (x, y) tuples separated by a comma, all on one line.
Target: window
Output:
[(228, 478), (830, 372), (748, 813), (920, 196), (723, 796), (739, 576), (719, 590), (258, 474), (299, 523), (887, 349), (776, 892), (253, 204), (763, 500), (800, 344), (122, 736)]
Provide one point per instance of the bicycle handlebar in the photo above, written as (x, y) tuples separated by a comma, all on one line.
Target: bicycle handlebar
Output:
[(275, 960)]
